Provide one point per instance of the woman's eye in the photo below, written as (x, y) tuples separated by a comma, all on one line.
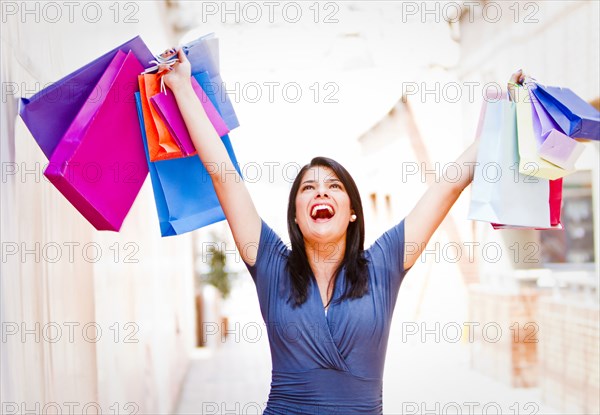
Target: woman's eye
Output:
[(307, 187), (336, 185)]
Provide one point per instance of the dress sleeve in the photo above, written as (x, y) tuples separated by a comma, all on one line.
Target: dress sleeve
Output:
[(271, 259), (387, 257)]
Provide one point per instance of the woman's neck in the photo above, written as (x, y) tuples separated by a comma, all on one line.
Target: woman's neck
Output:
[(325, 257)]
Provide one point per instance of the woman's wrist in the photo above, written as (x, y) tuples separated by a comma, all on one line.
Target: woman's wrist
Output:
[(182, 88)]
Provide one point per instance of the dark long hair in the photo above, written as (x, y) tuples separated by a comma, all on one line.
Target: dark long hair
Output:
[(354, 259)]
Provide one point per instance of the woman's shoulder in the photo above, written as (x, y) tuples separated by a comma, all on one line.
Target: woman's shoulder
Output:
[(271, 254), (271, 241), (393, 237), (386, 254)]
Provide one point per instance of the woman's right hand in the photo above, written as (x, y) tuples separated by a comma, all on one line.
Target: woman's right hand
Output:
[(179, 74), (235, 200)]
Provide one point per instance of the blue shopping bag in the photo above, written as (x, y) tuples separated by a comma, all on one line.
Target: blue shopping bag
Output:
[(49, 113), (576, 118), (183, 190), (203, 54)]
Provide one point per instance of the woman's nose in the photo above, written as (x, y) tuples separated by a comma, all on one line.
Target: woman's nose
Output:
[(322, 191)]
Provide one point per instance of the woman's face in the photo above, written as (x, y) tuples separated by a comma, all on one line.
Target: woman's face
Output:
[(323, 209)]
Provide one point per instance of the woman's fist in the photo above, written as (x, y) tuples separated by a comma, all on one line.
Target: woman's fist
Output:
[(179, 74), (515, 80)]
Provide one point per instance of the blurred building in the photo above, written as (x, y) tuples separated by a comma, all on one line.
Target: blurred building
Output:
[(558, 44)]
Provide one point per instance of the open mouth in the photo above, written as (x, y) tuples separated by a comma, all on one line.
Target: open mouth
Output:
[(322, 212)]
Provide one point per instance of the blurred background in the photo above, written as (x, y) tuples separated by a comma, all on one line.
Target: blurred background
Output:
[(486, 322)]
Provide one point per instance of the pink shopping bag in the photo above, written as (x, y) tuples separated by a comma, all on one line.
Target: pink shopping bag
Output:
[(99, 164)]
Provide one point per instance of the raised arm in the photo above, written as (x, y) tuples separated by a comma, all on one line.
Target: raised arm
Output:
[(239, 209), (434, 205)]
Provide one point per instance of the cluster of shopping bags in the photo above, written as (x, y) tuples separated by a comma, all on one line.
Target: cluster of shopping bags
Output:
[(527, 145), (107, 125)]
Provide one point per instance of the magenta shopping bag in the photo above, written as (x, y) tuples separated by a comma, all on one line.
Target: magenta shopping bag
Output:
[(49, 113), (166, 105), (99, 164)]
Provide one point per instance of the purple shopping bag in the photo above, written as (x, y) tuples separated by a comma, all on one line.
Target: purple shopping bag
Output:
[(166, 106), (203, 54), (553, 145), (575, 117), (99, 164), (49, 113)]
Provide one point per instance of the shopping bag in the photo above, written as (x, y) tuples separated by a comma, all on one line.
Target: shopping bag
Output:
[(99, 164), (166, 106), (183, 190), (529, 141), (557, 148), (555, 202), (560, 149), (499, 193), (49, 113), (575, 117), (161, 143), (203, 54)]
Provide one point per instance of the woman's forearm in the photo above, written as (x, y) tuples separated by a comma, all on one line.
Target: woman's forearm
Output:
[(466, 163), (207, 142), (241, 214)]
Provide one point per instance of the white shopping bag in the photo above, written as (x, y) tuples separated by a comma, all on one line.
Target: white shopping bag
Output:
[(500, 193)]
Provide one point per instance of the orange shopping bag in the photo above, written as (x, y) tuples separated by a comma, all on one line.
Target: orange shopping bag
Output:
[(161, 144)]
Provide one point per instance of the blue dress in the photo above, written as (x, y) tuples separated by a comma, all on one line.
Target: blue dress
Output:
[(328, 364)]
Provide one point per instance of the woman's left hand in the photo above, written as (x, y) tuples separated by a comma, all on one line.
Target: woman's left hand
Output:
[(515, 80)]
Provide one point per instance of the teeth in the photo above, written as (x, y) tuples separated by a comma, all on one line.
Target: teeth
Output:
[(319, 207)]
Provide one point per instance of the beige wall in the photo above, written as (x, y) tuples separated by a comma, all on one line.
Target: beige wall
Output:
[(148, 294)]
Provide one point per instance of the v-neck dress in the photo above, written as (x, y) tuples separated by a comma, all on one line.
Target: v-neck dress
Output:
[(328, 363)]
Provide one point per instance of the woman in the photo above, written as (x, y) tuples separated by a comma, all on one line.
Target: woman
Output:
[(327, 302)]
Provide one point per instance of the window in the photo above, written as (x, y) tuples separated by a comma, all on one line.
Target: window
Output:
[(373, 197), (388, 207)]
